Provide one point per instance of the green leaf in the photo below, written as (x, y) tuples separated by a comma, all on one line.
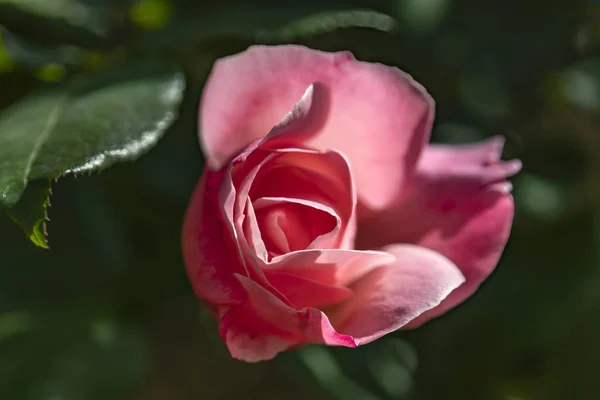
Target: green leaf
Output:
[(73, 12), (327, 22), (23, 130), (111, 117), (272, 24), (91, 124), (31, 214)]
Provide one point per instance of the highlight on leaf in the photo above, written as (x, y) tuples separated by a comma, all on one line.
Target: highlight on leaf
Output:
[(86, 125)]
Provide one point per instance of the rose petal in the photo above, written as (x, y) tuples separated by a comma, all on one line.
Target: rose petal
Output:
[(243, 177), (459, 205), (318, 329), (305, 119), (318, 223), (323, 177), (302, 292), (252, 234), (242, 213), (308, 116), (283, 230), (208, 251), (270, 308), (304, 175), (249, 93), (335, 267), (232, 218), (389, 297), (318, 177), (249, 339), (262, 326), (475, 247)]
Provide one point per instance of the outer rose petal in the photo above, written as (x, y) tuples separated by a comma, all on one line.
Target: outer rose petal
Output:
[(318, 329), (261, 327), (208, 251), (385, 299), (389, 297), (248, 339), (458, 205), (249, 93)]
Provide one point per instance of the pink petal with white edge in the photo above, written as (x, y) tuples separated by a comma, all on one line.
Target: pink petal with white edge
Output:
[(376, 115), (459, 204), (389, 297)]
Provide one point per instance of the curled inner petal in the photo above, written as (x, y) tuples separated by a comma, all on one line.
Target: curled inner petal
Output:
[(304, 175), (293, 224), (292, 199)]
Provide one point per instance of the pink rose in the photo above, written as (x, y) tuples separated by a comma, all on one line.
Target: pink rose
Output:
[(323, 215)]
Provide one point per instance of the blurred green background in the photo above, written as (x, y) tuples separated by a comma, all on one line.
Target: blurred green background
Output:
[(107, 312)]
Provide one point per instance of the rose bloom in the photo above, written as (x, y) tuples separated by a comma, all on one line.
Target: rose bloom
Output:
[(323, 214)]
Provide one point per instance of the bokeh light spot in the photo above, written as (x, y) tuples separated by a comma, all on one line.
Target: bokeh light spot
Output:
[(50, 73), (540, 196), (151, 14)]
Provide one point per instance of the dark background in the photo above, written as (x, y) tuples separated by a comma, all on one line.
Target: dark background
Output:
[(107, 312)]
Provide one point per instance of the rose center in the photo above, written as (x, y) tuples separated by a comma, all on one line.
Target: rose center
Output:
[(289, 226)]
